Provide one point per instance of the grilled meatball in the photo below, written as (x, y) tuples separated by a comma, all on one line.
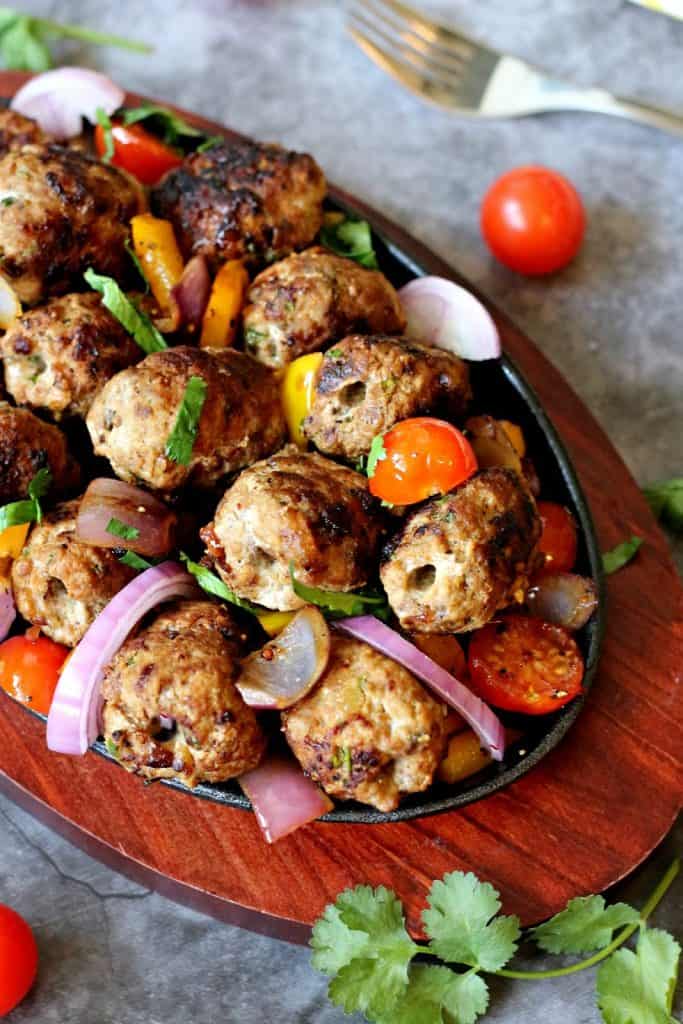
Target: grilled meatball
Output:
[(366, 384), (58, 356), (461, 558), (27, 445), (243, 200), (67, 212), (134, 413), (368, 731), (312, 298), (183, 667), (17, 130), (298, 508), (60, 584)]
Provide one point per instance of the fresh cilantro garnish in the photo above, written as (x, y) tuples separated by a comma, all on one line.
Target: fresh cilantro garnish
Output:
[(436, 994), (666, 501), (585, 925), (621, 555), (350, 238), (23, 46), (212, 584), (135, 561), (111, 747), (638, 988), (376, 454), (29, 510), (335, 353), (122, 530), (164, 122), (119, 305), (104, 121), (340, 605), (209, 142), (181, 440)]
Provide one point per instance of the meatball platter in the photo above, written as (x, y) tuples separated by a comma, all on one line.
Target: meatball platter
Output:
[(306, 536)]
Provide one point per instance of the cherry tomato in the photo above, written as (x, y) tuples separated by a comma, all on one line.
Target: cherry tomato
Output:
[(423, 456), (559, 539), (29, 669), (138, 152), (533, 220), (524, 664), (18, 959)]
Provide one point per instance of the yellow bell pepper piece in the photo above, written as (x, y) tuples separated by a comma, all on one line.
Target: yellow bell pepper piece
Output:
[(463, 758), (515, 436), (275, 622), (219, 325), (12, 540), (298, 386), (157, 250)]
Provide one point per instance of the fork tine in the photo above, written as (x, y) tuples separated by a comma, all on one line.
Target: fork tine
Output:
[(372, 14), (423, 64), (433, 32)]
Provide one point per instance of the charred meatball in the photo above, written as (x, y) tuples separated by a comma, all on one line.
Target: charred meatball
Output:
[(366, 384), (67, 212), (461, 558), (26, 446), (134, 413), (312, 298), (243, 200), (368, 731), (17, 130), (60, 584), (58, 356), (182, 667), (297, 508)]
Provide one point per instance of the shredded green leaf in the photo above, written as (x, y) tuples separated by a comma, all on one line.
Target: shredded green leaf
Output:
[(29, 510), (104, 121), (350, 238), (376, 454), (164, 122), (212, 584), (135, 561), (586, 924), (119, 305), (184, 434), (119, 529), (23, 47), (621, 555), (209, 142), (111, 748), (340, 605), (666, 501)]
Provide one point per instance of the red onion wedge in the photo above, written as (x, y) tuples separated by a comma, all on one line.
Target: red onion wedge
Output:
[(58, 100), (283, 797), (117, 515), (191, 294), (478, 715), (73, 721), (286, 668), (8, 612), (563, 598), (441, 313)]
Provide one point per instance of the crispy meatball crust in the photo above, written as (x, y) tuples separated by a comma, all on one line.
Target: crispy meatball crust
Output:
[(134, 413), (294, 507), (58, 356), (461, 558), (312, 298), (368, 731), (17, 130), (60, 584), (182, 666), (367, 384), (68, 212), (27, 445), (243, 200)]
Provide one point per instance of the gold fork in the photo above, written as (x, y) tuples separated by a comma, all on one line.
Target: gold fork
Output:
[(447, 68)]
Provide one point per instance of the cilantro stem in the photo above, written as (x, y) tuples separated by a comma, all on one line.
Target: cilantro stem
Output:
[(626, 933), (88, 35)]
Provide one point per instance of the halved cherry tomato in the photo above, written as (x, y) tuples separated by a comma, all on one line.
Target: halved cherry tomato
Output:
[(533, 220), (18, 959), (525, 664), (138, 152), (422, 457), (29, 669), (559, 539)]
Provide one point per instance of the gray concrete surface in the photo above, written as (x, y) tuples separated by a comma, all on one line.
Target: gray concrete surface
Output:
[(110, 952)]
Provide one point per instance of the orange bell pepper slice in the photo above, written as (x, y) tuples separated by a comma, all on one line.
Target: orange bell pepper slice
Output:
[(157, 250), (219, 325)]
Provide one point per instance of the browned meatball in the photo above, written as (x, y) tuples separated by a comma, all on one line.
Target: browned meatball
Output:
[(58, 356), (27, 445), (67, 212), (312, 298), (17, 130), (461, 558), (297, 508), (60, 584), (134, 413), (243, 200), (182, 667), (368, 731), (366, 384)]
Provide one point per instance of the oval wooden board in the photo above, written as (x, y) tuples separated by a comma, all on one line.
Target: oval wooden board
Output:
[(590, 812)]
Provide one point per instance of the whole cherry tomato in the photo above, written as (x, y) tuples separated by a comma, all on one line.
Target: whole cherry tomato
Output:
[(137, 151), (29, 669), (418, 458), (18, 959), (533, 220), (559, 539)]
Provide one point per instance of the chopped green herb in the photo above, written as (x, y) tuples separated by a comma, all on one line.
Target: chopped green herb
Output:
[(119, 529), (104, 121), (23, 47), (335, 353), (39, 367), (666, 501), (111, 748), (164, 122), (253, 338), (621, 555), (350, 238), (211, 583), (119, 305), (342, 759), (184, 434), (211, 140), (8, 200), (376, 454), (339, 605), (135, 561), (29, 510)]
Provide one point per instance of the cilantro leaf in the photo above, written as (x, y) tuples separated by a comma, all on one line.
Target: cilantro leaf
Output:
[(212, 584), (637, 988), (334, 944), (123, 530), (135, 561), (376, 454), (181, 440), (165, 122), (338, 604), (28, 510), (433, 990), (126, 312), (666, 501), (460, 926), (621, 555), (104, 121), (21, 46), (349, 237), (586, 924)]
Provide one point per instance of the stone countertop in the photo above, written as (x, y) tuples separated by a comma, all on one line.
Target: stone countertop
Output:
[(111, 952)]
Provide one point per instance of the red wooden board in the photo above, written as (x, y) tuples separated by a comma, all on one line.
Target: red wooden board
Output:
[(582, 819)]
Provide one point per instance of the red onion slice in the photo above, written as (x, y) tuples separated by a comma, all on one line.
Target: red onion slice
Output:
[(8, 612), (73, 721), (151, 523), (441, 313), (563, 598), (478, 715), (290, 665), (282, 797), (59, 99), (191, 294)]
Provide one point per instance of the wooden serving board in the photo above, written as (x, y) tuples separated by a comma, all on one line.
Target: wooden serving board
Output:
[(580, 821)]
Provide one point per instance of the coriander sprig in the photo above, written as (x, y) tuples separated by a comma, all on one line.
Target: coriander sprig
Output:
[(23, 46)]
